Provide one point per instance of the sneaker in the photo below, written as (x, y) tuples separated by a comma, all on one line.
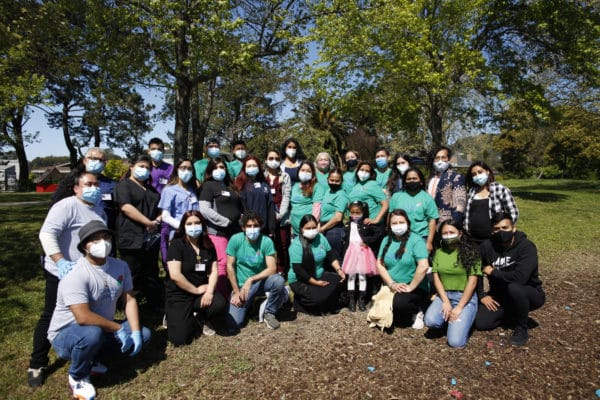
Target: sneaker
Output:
[(98, 368), (519, 337), (208, 331), (164, 322), (418, 322), (82, 389), (35, 377), (271, 321)]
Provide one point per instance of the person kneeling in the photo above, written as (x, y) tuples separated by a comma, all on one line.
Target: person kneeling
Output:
[(82, 325)]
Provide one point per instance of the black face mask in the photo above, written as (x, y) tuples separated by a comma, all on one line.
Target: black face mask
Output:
[(351, 164), (334, 188), (503, 237), (412, 187)]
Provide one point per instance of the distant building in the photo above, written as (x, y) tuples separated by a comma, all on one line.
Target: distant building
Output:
[(47, 179), (9, 174)]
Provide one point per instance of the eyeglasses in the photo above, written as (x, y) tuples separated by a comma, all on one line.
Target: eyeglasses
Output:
[(95, 158), (273, 159)]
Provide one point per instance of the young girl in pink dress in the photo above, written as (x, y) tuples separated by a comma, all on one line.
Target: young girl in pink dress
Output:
[(359, 260)]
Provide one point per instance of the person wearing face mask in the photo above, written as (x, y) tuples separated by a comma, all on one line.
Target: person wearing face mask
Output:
[(138, 230), (485, 198), (307, 195), (213, 150), (510, 262), (292, 155), (383, 171), (255, 193), (57, 236), (161, 171), (281, 190), (316, 291), (456, 267), (403, 263), (323, 164), (83, 328), (419, 206), (221, 207), (252, 272), (351, 158), (238, 148), (402, 164), (333, 207), (447, 187), (191, 288), (176, 198), (369, 192)]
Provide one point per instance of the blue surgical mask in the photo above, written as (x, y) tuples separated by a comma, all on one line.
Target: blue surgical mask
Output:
[(381, 162), (480, 179), (94, 166), (252, 171), (218, 174), (91, 194), (141, 173), (156, 155), (184, 174), (213, 152), (193, 231), (252, 233)]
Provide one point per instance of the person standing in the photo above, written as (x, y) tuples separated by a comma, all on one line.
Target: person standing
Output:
[(333, 207), (238, 148), (383, 171), (292, 155), (447, 187), (161, 171), (351, 158), (58, 237), (402, 164), (213, 150)]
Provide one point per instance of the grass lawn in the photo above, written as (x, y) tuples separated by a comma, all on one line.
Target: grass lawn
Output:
[(327, 357)]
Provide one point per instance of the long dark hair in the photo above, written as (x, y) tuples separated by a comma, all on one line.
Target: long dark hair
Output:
[(418, 172), (308, 260), (469, 176), (203, 239), (468, 251), (391, 236), (396, 176), (212, 164), (308, 187), (370, 164), (241, 180), (300, 156)]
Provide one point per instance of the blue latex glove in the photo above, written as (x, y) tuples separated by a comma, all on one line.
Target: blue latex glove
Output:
[(136, 336), (124, 338), (64, 266)]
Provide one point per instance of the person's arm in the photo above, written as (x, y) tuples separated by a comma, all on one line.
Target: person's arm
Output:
[(208, 295), (131, 311), (169, 219), (180, 280), (385, 203), (431, 234), (316, 210), (236, 300), (212, 215), (508, 203), (286, 192), (135, 215), (338, 268), (84, 316), (441, 292), (420, 272), (465, 298), (459, 198), (336, 219), (525, 266)]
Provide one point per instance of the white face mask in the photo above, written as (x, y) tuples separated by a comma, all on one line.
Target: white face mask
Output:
[(100, 249), (363, 175), (441, 166), (273, 164), (399, 229), (310, 234), (304, 176), (402, 168), (291, 153), (240, 154)]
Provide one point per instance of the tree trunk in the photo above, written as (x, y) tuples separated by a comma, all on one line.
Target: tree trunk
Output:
[(96, 130), (17, 142), (196, 145), (200, 134), (67, 136), (435, 121), (182, 112)]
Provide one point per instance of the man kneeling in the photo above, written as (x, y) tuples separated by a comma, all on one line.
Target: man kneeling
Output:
[(82, 325)]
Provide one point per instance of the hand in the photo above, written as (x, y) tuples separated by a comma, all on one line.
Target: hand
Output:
[(455, 313), (342, 274), (200, 290), (206, 300), (490, 303), (488, 269), (404, 288), (235, 300), (124, 338), (369, 221), (446, 310), (136, 337), (152, 226), (321, 283), (64, 266), (245, 290)]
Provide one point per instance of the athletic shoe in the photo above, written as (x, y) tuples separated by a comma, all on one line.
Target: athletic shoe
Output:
[(35, 377), (98, 368), (271, 321), (208, 331), (82, 389), (519, 337), (418, 322)]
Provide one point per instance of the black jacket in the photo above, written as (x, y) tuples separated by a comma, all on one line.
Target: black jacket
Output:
[(371, 235)]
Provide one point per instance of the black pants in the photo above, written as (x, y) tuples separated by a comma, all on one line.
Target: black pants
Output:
[(41, 345), (515, 304), (144, 273), (182, 324), (314, 299), (405, 305)]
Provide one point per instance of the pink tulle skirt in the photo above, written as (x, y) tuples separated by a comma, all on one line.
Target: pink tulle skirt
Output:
[(359, 260)]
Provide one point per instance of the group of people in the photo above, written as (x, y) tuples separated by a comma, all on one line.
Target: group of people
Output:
[(229, 231)]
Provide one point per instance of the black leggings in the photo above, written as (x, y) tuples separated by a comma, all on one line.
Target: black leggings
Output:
[(41, 345), (407, 304), (515, 304), (316, 299), (143, 265)]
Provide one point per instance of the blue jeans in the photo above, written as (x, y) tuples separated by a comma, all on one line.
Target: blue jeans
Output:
[(274, 284), (458, 331), (83, 343)]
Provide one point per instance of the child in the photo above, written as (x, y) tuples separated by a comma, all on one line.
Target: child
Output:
[(359, 259)]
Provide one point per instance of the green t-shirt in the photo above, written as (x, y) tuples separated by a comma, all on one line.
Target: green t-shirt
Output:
[(421, 208), (369, 192), (349, 181), (233, 168), (302, 205), (200, 168), (403, 269), (322, 178), (319, 246), (450, 271), (382, 177), (249, 257), (332, 203)]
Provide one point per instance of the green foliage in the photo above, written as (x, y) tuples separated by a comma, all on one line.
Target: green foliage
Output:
[(48, 161), (115, 169)]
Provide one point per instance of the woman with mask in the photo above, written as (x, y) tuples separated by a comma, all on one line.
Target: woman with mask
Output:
[(191, 289), (221, 207), (137, 225), (307, 195), (456, 267), (402, 164), (382, 171), (316, 290), (292, 155), (419, 206), (351, 159), (323, 164), (369, 192), (176, 198), (333, 208), (485, 198), (402, 264), (446, 186)]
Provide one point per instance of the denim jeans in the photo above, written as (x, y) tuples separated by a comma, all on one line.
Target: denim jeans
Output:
[(83, 343), (458, 331), (274, 284)]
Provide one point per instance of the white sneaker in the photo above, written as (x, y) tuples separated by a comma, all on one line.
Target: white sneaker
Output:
[(98, 368), (208, 331), (82, 389), (418, 322)]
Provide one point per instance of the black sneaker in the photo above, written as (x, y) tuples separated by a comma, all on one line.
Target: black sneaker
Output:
[(519, 336), (35, 377)]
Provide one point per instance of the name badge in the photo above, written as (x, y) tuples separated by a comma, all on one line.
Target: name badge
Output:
[(225, 193), (256, 184), (200, 267), (163, 181), (107, 196), (273, 191)]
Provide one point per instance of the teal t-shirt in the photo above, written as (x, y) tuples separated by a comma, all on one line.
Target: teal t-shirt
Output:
[(234, 167), (382, 177), (302, 205), (249, 257), (349, 181), (333, 202), (369, 192), (421, 208), (322, 178), (403, 269), (319, 246), (200, 168), (451, 272)]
